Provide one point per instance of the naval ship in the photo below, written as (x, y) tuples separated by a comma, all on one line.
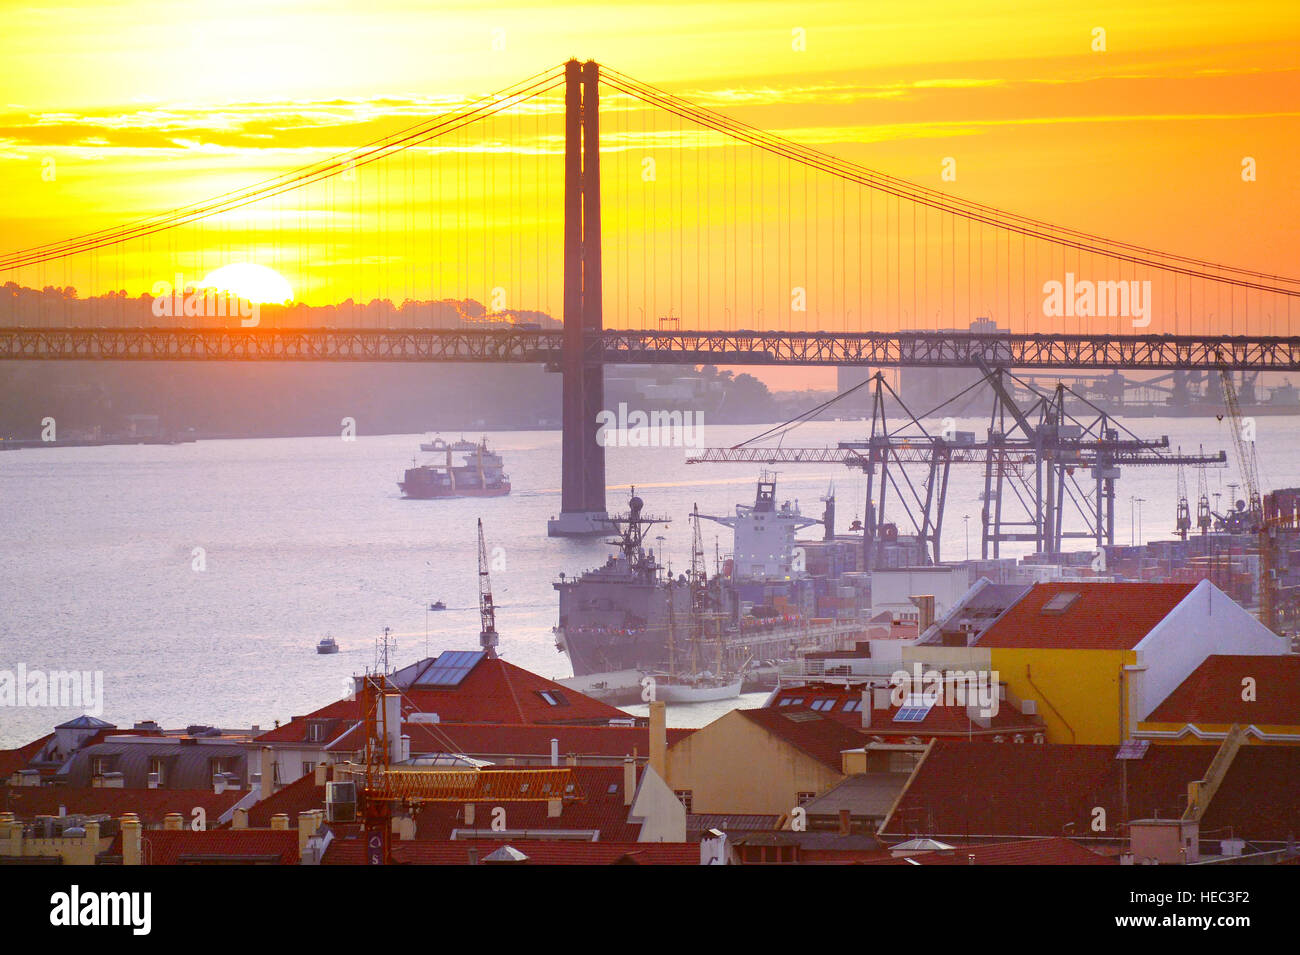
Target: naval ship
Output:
[(480, 472), (630, 619)]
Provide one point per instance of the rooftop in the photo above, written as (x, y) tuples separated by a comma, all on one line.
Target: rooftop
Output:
[(1212, 693), (1084, 615)]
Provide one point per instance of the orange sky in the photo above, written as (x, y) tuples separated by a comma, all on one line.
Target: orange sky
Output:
[(111, 112)]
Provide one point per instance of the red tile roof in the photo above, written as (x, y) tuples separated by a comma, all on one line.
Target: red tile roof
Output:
[(1043, 789), (181, 847), (1212, 693), (12, 760), (1049, 851), (1106, 616), (601, 808), (301, 795), (821, 738), (1259, 798), (151, 805), (939, 721), (539, 852), (494, 691)]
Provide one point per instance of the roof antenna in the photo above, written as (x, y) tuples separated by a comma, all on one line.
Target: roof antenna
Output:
[(487, 637)]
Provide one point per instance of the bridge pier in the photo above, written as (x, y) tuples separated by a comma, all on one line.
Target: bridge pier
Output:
[(582, 458)]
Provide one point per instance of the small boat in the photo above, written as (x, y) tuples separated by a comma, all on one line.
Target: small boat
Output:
[(438, 605), (327, 645)]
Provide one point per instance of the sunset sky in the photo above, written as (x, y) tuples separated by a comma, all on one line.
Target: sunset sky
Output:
[(114, 111)]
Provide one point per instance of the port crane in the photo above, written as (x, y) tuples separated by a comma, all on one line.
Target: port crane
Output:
[(1247, 517), (1036, 460), (487, 637)]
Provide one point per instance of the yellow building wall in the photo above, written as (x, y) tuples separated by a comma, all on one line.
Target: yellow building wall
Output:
[(1077, 691), (735, 765)]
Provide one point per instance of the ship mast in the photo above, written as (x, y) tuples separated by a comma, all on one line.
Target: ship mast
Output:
[(487, 637), (698, 583)]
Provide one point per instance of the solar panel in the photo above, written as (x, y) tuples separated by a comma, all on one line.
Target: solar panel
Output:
[(451, 667), (913, 710), (1133, 749)]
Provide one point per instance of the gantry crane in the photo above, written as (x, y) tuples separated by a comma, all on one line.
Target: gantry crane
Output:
[(1033, 458)]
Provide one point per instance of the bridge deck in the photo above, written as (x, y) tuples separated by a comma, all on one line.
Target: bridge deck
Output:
[(875, 349)]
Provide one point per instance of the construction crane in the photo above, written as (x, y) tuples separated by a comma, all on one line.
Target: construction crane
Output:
[(1248, 515), (1204, 516), (487, 637)]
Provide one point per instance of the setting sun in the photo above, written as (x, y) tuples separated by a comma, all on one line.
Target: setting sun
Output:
[(254, 283)]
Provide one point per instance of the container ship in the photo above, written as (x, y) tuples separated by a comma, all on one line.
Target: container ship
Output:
[(479, 472)]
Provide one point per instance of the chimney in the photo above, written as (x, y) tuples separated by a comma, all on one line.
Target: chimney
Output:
[(659, 738), (571, 759), (131, 848), (268, 772), (469, 814), (280, 821), (308, 823), (240, 819), (629, 780), (880, 697), (555, 751), (864, 709), (553, 808), (404, 827), (473, 855), (846, 822), (173, 822), (925, 611), (320, 774), (92, 835), (970, 858)]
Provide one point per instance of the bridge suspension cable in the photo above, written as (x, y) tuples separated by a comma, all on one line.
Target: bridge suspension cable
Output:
[(382, 148), (973, 211)]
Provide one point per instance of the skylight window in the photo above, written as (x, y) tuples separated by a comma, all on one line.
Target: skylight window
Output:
[(1061, 602)]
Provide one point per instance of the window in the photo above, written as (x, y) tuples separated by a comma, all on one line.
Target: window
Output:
[(158, 766), (219, 764), (1061, 602), (823, 705), (804, 799), (99, 765), (316, 731), (553, 697), (685, 797), (308, 767), (852, 706)]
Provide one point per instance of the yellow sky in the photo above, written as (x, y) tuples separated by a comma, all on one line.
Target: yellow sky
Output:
[(141, 106)]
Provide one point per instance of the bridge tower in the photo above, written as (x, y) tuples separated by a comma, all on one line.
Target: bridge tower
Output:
[(582, 461)]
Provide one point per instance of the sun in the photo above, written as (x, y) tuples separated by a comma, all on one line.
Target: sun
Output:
[(254, 283)]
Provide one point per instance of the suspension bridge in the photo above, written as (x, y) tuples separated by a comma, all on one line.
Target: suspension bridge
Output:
[(714, 242)]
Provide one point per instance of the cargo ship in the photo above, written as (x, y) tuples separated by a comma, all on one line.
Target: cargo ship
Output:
[(629, 618), (478, 473)]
